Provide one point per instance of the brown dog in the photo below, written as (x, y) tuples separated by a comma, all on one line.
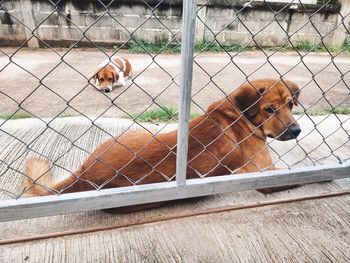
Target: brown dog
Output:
[(229, 138)]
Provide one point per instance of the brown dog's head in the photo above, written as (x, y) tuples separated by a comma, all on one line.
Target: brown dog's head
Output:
[(105, 77), (268, 104)]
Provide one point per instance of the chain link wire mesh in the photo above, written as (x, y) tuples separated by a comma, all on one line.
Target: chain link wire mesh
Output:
[(216, 75), (217, 32)]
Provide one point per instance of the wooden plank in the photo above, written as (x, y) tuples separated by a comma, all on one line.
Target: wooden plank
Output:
[(125, 196), (188, 35)]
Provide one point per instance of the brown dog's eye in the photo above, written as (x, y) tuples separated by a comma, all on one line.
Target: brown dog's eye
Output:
[(270, 110), (290, 104), (101, 79), (109, 79)]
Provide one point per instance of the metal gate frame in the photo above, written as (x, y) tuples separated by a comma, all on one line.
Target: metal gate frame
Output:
[(181, 188)]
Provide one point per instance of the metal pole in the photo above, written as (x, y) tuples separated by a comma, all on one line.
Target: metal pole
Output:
[(188, 36)]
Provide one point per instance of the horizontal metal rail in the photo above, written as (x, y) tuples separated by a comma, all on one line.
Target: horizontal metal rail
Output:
[(133, 195)]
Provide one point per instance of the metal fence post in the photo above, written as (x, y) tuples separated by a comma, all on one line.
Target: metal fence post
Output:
[(188, 36)]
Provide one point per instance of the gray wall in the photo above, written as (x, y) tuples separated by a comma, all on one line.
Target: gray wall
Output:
[(82, 20), (270, 26)]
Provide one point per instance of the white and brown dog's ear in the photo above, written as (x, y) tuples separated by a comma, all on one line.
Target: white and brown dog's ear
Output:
[(115, 77), (293, 89), (94, 77)]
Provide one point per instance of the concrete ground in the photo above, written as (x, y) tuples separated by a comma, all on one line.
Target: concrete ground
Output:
[(306, 224), (68, 141), (304, 231), (46, 83)]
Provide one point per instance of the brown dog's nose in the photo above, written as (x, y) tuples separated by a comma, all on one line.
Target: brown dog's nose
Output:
[(294, 130), (291, 132)]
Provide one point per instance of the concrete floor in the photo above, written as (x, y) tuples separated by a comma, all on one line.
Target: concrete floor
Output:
[(33, 78), (68, 142), (306, 231), (251, 229), (312, 230)]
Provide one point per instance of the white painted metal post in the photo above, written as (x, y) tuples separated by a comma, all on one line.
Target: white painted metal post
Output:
[(188, 36)]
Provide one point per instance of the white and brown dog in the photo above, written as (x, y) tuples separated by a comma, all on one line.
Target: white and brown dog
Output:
[(111, 73)]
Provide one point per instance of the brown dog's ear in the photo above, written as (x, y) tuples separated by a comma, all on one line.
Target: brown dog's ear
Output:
[(246, 99), (293, 89)]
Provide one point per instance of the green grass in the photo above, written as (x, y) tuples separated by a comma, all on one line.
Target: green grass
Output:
[(302, 45), (328, 2), (213, 46), (65, 115), (24, 115), (307, 46), (337, 110), (340, 110), (17, 115), (346, 45), (143, 46), (166, 113), (160, 114)]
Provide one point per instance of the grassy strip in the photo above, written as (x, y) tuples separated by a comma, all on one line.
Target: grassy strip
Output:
[(143, 46), (160, 114), (212, 46), (16, 116), (338, 110), (346, 45), (25, 115), (167, 113), (165, 47)]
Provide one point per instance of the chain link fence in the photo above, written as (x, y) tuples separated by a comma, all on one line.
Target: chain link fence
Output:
[(67, 116)]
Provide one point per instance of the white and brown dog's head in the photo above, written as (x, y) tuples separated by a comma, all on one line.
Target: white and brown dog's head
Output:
[(112, 73)]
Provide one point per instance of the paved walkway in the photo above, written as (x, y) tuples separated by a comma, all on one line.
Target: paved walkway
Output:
[(299, 225), (64, 87), (305, 231)]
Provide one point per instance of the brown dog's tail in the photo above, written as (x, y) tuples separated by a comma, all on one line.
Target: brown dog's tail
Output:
[(39, 181), (39, 177)]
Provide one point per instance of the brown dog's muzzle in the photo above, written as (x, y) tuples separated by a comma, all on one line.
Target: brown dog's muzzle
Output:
[(292, 131)]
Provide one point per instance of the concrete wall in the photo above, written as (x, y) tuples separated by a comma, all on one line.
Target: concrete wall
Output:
[(268, 26), (230, 22)]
